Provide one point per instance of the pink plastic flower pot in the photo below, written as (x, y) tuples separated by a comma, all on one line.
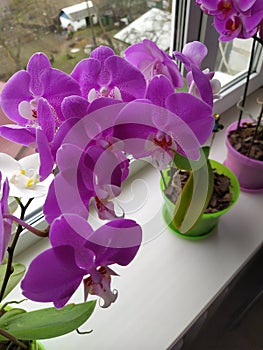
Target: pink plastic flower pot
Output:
[(248, 171)]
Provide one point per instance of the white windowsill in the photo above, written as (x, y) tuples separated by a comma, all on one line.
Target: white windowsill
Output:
[(172, 281)]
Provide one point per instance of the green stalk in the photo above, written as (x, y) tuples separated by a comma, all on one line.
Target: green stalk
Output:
[(11, 249)]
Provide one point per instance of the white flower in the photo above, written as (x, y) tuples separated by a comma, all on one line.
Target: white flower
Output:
[(23, 176)]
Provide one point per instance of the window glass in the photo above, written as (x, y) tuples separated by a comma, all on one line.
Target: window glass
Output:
[(67, 30)]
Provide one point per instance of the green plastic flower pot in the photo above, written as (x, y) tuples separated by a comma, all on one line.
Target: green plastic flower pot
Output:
[(205, 225)]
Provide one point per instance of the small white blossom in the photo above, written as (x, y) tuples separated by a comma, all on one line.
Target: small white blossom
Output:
[(23, 176)]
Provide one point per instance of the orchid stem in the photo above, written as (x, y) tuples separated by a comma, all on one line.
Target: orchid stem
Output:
[(247, 81), (27, 226), (256, 131), (12, 338), (11, 248)]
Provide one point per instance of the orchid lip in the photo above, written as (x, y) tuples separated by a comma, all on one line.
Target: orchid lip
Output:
[(25, 178)]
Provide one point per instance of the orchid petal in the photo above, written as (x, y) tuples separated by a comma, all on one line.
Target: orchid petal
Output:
[(66, 195), (8, 164), (15, 91), (23, 135), (57, 287), (86, 73), (186, 106), (129, 80), (5, 224), (150, 60), (23, 176), (116, 242), (102, 287), (58, 85), (101, 53), (74, 107), (203, 85), (245, 5), (159, 88), (46, 119), (46, 159), (72, 230), (196, 51), (36, 65), (101, 103)]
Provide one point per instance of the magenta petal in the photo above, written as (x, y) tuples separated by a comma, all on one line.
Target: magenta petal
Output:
[(196, 51), (102, 102), (86, 73), (116, 242), (46, 118), (222, 27), (101, 53), (58, 85), (65, 195), (46, 159), (105, 159), (209, 4), (52, 276), (203, 84), (5, 235), (138, 55), (159, 89), (24, 135), (15, 91), (245, 5), (186, 106), (127, 78), (61, 134), (5, 224), (74, 107), (150, 60), (70, 229), (51, 207), (36, 65), (5, 195)]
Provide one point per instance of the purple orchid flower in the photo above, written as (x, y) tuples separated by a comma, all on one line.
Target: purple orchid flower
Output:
[(5, 224), (83, 178), (20, 95), (105, 74), (151, 61), (78, 251), (198, 81), (84, 149), (170, 124), (32, 99), (234, 19)]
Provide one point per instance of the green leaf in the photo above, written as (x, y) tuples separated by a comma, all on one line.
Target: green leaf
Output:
[(9, 314), (47, 323), (184, 163), (15, 278), (194, 198)]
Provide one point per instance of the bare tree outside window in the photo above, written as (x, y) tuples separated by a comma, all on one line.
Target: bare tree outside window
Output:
[(27, 26)]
